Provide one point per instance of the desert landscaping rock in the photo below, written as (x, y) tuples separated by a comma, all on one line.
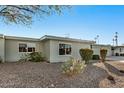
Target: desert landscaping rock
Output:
[(43, 75)]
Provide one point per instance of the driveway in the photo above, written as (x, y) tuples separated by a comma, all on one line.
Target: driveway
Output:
[(116, 58)]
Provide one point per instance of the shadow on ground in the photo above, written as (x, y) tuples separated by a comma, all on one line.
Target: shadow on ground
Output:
[(89, 78), (95, 74), (113, 69)]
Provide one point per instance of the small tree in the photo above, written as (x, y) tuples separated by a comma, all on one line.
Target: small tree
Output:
[(86, 54), (25, 14), (103, 53)]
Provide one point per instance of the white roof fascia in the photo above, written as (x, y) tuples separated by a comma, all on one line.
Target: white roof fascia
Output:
[(21, 38), (66, 39)]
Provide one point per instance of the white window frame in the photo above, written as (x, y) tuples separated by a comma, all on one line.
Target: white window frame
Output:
[(28, 46), (19, 47), (67, 44)]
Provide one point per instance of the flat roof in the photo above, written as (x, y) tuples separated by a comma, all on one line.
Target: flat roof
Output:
[(1, 35), (49, 37), (118, 46), (100, 45), (21, 38), (46, 37)]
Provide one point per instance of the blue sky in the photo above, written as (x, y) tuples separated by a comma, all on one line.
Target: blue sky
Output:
[(83, 22)]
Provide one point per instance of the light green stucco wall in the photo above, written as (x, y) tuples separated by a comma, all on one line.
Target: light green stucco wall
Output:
[(9, 49), (2, 49), (12, 49), (54, 50), (46, 49)]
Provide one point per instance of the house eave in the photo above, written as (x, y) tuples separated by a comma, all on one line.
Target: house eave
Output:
[(118, 46), (101, 45), (48, 37), (1, 36), (21, 38)]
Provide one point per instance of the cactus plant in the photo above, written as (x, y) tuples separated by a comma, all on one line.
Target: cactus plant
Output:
[(72, 67)]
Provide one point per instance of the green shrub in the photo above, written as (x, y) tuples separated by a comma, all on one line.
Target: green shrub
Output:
[(36, 57), (86, 54), (96, 57), (103, 53), (1, 59), (72, 67), (24, 57)]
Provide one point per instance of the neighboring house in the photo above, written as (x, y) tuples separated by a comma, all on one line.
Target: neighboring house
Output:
[(118, 50), (55, 49), (96, 48)]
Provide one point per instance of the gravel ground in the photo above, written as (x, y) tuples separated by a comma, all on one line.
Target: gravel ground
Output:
[(37, 75)]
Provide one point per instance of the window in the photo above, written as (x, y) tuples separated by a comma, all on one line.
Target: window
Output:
[(64, 49), (112, 48), (91, 46), (120, 50), (25, 48), (22, 47), (31, 49)]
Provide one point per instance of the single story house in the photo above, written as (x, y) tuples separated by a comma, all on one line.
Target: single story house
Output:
[(118, 50), (54, 48), (96, 48)]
